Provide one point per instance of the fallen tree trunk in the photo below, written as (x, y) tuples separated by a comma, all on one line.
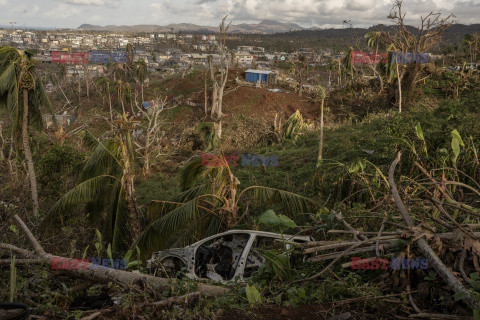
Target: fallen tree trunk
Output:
[(424, 247), (96, 273), (187, 299)]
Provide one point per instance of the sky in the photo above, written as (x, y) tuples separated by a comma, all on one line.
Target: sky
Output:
[(306, 13)]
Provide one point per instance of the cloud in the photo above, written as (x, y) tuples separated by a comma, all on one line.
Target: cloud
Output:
[(108, 3), (63, 11), (26, 10), (360, 5)]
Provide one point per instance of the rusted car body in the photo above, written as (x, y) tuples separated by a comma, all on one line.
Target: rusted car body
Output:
[(228, 256)]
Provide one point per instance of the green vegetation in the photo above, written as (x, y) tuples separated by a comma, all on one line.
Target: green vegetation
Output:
[(96, 197)]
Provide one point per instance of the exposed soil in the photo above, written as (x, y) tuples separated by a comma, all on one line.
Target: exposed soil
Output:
[(261, 103)]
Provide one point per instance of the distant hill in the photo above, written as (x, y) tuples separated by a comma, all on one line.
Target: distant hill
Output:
[(264, 27), (454, 33)]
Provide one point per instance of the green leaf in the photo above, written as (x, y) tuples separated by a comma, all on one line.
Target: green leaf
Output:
[(456, 150), (475, 285), (418, 130), (460, 295), (99, 235), (476, 314), (474, 276), (457, 142), (99, 248), (456, 134), (134, 263), (286, 221), (13, 228), (270, 218), (128, 255), (85, 252), (109, 252), (138, 252), (253, 295)]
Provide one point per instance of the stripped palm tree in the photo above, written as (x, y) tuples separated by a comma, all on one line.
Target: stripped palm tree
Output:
[(106, 187), (142, 73), (105, 83), (373, 41), (211, 201), (348, 63), (19, 81)]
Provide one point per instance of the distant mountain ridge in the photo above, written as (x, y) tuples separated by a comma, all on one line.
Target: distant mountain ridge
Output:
[(264, 27)]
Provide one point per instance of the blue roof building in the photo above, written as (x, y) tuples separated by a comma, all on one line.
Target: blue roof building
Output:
[(254, 76)]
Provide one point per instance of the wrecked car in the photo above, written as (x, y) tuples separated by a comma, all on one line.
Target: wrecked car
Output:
[(232, 255)]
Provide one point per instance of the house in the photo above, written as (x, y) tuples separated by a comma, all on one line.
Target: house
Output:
[(61, 119), (244, 58), (199, 58), (263, 76)]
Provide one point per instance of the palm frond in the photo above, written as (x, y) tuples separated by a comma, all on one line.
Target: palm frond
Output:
[(157, 234), (118, 218), (8, 77), (103, 160), (89, 140), (192, 193), (291, 203), (191, 172), (84, 192)]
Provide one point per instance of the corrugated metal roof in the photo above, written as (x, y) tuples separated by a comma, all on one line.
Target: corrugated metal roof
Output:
[(258, 71)]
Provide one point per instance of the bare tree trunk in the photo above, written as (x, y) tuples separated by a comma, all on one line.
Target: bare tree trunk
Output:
[(399, 78), (2, 154), (141, 88), (214, 100), (132, 206), (79, 88), (129, 187), (110, 106), (86, 74), (206, 92), (123, 105), (61, 89), (320, 143), (97, 274), (147, 156), (339, 73), (28, 154)]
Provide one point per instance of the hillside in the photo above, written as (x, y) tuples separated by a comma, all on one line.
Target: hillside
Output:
[(263, 27)]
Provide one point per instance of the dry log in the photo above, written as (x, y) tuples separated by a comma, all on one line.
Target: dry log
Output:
[(97, 274), (377, 251), (349, 227), (423, 246), (187, 299), (365, 232), (358, 262), (93, 315), (320, 243), (23, 252), (334, 255), (341, 244), (18, 262)]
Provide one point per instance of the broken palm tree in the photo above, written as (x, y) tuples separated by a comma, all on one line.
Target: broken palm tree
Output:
[(219, 77)]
